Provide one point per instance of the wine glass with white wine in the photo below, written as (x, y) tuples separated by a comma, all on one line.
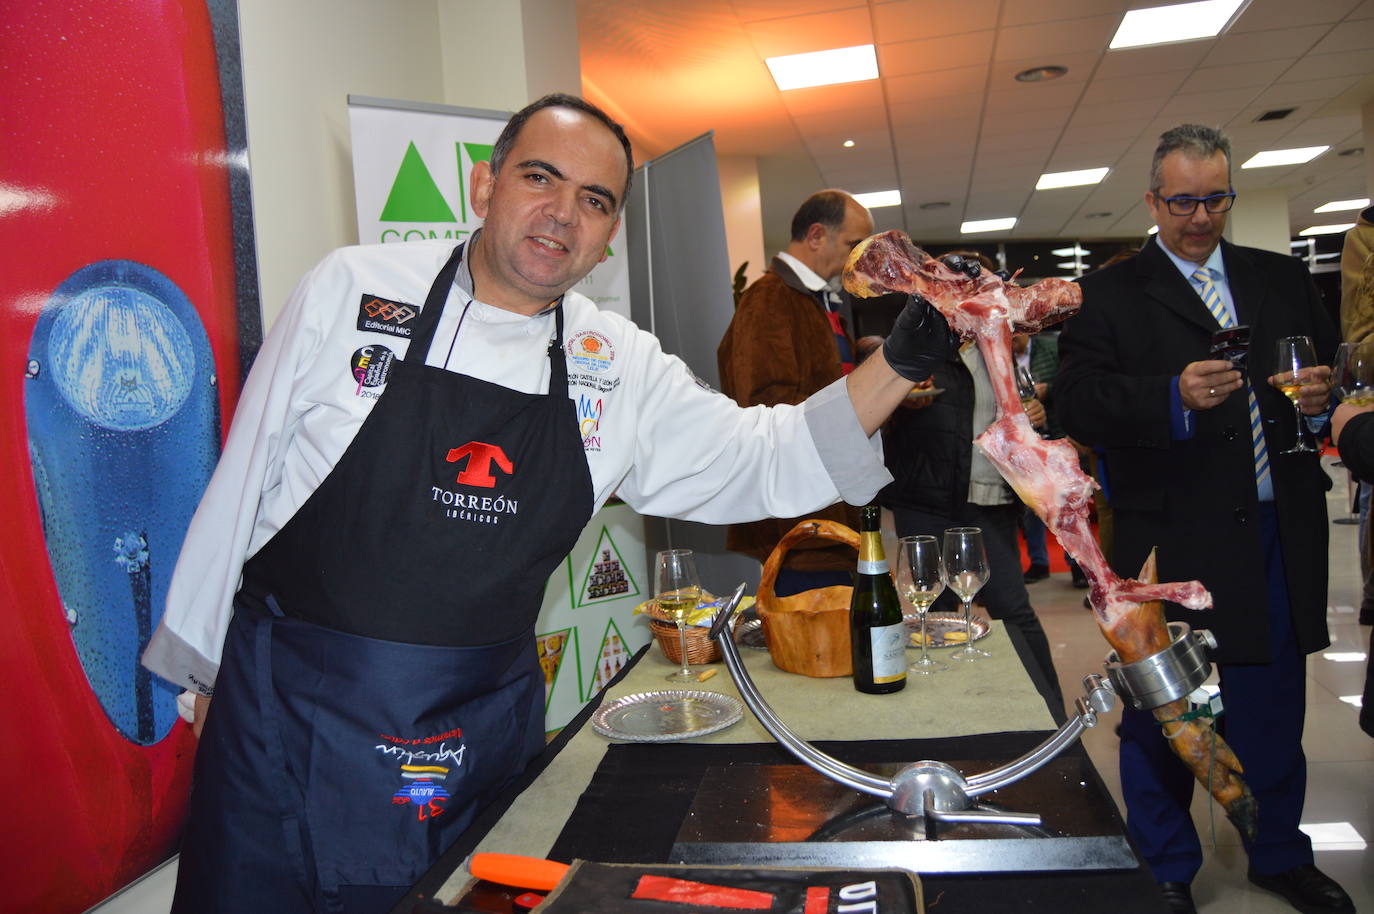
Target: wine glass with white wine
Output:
[(1293, 355), (966, 571), (677, 591), (921, 578), (1352, 373)]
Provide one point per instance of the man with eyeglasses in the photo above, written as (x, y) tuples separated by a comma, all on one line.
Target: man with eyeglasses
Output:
[(1193, 440)]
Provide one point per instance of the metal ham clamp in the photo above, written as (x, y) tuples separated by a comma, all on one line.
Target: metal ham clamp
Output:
[(931, 789)]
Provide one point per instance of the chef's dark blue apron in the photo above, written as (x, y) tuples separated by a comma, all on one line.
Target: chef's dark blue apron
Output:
[(379, 682)]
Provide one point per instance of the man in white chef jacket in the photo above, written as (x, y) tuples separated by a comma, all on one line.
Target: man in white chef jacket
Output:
[(359, 585)]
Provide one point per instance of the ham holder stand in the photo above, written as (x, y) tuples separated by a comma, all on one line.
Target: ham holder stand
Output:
[(931, 818)]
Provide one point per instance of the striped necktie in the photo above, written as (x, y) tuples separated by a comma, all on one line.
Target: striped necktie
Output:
[(1211, 297)]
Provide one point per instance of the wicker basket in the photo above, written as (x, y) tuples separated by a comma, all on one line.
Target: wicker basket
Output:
[(808, 633), (700, 647)]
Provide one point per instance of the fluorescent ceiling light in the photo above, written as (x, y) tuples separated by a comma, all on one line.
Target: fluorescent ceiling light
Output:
[(824, 68), (1180, 22), (987, 225), (1273, 157), (879, 198), (1333, 836), (1071, 178), (1327, 229), (1154, 230), (1344, 656), (1356, 700), (1069, 252), (1067, 265), (1340, 206)]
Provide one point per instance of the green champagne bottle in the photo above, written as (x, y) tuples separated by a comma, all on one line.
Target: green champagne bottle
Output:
[(877, 634)]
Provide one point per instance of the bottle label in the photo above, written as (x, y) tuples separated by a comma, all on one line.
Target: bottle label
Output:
[(878, 567), (889, 652)]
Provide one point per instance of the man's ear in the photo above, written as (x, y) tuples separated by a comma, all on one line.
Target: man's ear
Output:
[(481, 183), (816, 235)]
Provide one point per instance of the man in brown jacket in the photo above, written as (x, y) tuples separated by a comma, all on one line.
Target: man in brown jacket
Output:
[(788, 339)]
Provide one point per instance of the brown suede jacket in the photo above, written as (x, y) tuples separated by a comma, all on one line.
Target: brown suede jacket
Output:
[(779, 348)]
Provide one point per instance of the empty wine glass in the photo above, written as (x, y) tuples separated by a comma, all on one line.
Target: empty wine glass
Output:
[(1292, 355), (1352, 374), (966, 571), (920, 578), (676, 592)]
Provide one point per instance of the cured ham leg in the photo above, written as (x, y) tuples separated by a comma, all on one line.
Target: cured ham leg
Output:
[(1045, 474), (1144, 633)]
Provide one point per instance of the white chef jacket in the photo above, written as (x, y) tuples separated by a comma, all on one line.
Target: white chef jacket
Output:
[(652, 433)]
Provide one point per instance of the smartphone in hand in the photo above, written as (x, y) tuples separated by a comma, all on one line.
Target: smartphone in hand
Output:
[(1231, 344)]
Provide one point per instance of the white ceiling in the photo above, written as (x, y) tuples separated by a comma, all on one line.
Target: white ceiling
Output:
[(946, 120)]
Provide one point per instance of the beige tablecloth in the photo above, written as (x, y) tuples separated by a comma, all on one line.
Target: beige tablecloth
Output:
[(988, 696)]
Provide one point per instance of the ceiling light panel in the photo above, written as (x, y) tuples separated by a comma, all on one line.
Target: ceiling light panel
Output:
[(1340, 206), (1272, 157), (824, 68), (1327, 229), (1051, 180), (880, 198), (987, 225), (1180, 22)]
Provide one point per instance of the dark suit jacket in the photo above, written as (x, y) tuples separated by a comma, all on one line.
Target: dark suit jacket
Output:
[(1140, 324), (780, 348)]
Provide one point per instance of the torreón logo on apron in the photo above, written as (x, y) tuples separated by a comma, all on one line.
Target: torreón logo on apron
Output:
[(480, 461)]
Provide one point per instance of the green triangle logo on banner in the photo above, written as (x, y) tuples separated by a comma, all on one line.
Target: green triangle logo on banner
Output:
[(414, 196)]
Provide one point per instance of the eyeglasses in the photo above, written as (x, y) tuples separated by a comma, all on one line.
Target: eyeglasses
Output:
[(1186, 206)]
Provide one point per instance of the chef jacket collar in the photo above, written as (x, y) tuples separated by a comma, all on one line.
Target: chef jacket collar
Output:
[(463, 280)]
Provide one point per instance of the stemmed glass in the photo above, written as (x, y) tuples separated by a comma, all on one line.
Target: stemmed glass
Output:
[(920, 578), (676, 593), (1293, 354), (1352, 374), (966, 571)]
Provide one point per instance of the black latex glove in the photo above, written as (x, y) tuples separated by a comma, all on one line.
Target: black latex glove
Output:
[(968, 266), (920, 340)]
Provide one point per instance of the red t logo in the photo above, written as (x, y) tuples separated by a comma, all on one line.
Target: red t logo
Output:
[(480, 457)]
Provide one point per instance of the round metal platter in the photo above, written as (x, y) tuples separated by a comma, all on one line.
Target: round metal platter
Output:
[(939, 625), (659, 717)]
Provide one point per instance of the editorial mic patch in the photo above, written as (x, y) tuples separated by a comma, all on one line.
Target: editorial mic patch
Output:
[(382, 315)]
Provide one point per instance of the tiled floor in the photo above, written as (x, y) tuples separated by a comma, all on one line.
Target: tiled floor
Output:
[(1340, 786)]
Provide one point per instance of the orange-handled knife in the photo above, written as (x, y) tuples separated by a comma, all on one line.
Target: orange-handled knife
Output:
[(519, 871)]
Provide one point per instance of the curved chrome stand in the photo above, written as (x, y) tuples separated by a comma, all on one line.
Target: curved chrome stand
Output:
[(1166, 676), (931, 789)]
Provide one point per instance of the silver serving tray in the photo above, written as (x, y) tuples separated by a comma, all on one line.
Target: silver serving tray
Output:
[(659, 717), (940, 624)]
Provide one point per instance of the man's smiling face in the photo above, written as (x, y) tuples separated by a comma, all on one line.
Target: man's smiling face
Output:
[(550, 212)]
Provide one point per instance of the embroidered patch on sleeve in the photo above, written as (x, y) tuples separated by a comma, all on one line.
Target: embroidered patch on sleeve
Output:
[(382, 315)]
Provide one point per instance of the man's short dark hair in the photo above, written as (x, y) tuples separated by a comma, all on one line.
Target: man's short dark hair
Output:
[(511, 132), (824, 206), (1195, 141)]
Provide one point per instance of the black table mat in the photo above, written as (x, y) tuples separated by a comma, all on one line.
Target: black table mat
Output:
[(634, 806)]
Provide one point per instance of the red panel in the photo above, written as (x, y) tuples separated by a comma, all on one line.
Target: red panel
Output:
[(114, 148)]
